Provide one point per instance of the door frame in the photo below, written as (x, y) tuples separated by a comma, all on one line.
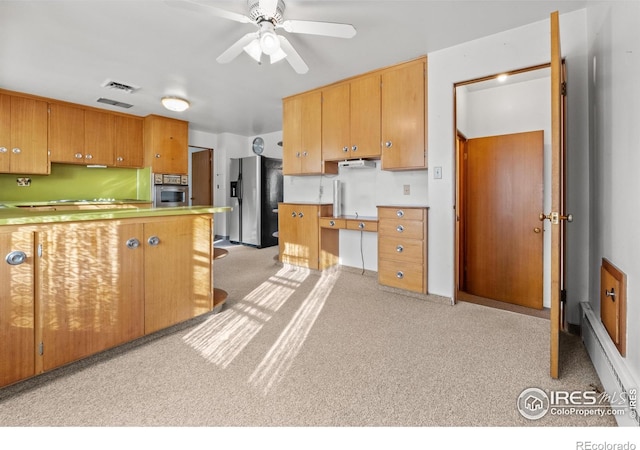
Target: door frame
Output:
[(458, 294), (211, 163)]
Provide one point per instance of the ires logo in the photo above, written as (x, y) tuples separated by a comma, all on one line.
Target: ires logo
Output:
[(534, 403)]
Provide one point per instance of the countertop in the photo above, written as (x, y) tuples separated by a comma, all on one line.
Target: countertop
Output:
[(27, 213)]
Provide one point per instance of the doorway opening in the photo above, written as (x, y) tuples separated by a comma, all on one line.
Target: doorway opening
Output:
[(503, 132)]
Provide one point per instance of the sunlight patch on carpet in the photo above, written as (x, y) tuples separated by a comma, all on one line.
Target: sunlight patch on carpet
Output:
[(222, 337)]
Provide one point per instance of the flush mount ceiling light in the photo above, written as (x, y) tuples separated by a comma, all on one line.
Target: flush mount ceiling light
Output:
[(175, 103)]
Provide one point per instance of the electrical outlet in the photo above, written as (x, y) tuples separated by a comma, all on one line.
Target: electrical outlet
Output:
[(321, 189), (407, 189), (23, 181)]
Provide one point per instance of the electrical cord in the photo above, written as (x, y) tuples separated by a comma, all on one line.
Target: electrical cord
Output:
[(361, 251)]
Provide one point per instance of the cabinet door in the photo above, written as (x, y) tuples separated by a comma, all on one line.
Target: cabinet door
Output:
[(90, 290), (178, 276), (365, 117), (336, 137), (5, 133), (166, 144), (17, 348), (23, 135), (311, 138), (291, 135), (66, 134), (298, 234), (288, 233), (99, 138), (128, 142), (403, 117)]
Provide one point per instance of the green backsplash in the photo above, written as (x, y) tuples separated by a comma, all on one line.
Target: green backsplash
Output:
[(68, 181)]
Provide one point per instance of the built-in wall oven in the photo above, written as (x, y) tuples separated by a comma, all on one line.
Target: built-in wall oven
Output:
[(170, 190)]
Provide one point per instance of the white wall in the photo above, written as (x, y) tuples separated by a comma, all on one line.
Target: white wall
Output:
[(515, 49), (513, 108), (614, 115)]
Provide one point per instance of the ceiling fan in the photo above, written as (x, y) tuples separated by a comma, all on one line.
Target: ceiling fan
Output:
[(267, 16)]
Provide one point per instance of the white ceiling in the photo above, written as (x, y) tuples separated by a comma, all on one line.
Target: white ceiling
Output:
[(66, 49)]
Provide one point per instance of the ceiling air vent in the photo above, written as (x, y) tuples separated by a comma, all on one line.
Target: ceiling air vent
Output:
[(110, 84), (108, 101)]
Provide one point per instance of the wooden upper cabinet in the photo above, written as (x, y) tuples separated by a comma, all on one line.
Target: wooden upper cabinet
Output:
[(66, 134), (404, 116), (351, 119), (23, 135), (166, 144), (302, 134), (128, 142), (99, 138)]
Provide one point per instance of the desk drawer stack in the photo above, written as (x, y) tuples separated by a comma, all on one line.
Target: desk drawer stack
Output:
[(402, 247)]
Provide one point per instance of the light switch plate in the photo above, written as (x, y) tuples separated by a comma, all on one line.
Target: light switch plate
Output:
[(437, 173), (407, 189)]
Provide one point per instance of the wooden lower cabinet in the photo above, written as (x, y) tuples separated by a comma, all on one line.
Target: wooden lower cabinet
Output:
[(177, 270), (402, 248), (17, 326), (98, 284), (91, 289), (299, 233)]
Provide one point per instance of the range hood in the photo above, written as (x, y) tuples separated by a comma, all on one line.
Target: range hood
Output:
[(357, 164)]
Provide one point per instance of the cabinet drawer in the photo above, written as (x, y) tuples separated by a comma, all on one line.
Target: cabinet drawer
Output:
[(403, 275), (326, 222), (362, 225), (405, 229), (396, 249), (400, 213)]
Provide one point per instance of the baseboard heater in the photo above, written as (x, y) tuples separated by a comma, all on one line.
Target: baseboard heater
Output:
[(608, 363)]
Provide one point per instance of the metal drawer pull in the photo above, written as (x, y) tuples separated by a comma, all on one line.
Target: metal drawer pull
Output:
[(3, 149), (388, 144), (399, 228), (361, 225), (16, 257), (400, 213), (89, 157), (293, 214), (354, 148), (399, 248), (157, 155), (611, 293), (345, 149), (400, 275), (332, 223), (133, 243), (16, 150), (153, 240), (300, 215), (78, 156)]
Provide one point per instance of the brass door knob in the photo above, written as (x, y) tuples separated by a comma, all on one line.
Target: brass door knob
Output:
[(537, 230)]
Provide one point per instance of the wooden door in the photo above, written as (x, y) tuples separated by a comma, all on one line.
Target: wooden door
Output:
[(17, 350), (311, 136), (182, 289), (403, 117), (5, 133), (365, 117), (504, 197), (335, 122), (557, 177), (99, 138), (90, 289), (291, 135), (66, 134), (128, 142), (29, 119), (201, 185)]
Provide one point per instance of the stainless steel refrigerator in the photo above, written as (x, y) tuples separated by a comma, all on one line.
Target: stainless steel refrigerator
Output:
[(255, 190)]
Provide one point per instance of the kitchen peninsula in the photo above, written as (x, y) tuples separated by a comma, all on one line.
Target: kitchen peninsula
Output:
[(82, 277)]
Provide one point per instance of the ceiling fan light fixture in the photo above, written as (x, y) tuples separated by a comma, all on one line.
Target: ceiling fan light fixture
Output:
[(175, 103), (253, 49), (269, 42), (277, 56)]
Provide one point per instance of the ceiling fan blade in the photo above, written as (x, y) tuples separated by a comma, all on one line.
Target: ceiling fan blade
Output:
[(293, 58), (233, 51), (208, 9), (341, 30), (268, 7)]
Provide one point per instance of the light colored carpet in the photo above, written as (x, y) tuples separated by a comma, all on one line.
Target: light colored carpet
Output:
[(300, 348)]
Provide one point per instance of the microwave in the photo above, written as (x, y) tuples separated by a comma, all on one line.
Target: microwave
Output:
[(170, 195)]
